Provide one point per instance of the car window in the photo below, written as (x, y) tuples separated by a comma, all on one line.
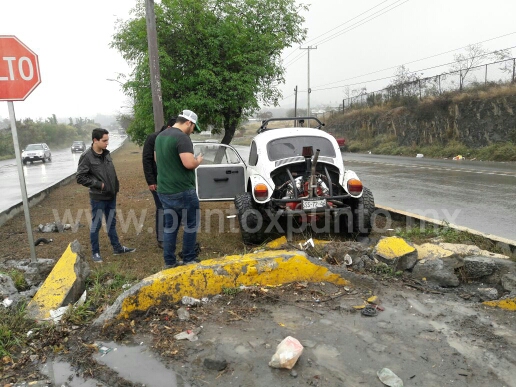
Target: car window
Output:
[(253, 154), (293, 146), (34, 147), (215, 154)]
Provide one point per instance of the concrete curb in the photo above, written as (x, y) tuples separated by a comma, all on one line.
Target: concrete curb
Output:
[(12, 211), (410, 219), (211, 276)]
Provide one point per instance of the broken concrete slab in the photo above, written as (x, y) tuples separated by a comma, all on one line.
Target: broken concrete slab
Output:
[(429, 251), (436, 271), (64, 284), (509, 282), (478, 266), (464, 250), (7, 287), (396, 252)]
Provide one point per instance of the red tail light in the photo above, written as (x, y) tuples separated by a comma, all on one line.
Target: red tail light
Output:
[(261, 191), (354, 186)]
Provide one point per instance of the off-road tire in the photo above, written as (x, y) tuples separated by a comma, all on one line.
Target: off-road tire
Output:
[(248, 219), (362, 213)]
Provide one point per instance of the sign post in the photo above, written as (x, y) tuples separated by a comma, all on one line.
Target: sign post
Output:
[(19, 76)]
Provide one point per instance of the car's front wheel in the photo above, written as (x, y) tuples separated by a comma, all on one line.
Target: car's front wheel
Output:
[(250, 219)]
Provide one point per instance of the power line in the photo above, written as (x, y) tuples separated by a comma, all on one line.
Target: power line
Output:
[(417, 60), (295, 59), (347, 21), (362, 22), (410, 72)]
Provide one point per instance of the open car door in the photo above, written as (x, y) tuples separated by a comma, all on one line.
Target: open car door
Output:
[(222, 174)]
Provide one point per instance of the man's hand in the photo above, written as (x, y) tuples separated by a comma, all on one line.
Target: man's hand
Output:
[(199, 157), (153, 187)]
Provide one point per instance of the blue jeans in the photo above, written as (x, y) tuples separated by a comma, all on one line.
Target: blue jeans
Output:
[(181, 208), (107, 209), (160, 217)]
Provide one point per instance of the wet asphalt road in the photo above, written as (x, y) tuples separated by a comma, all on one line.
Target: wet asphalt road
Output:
[(476, 194), (39, 175)]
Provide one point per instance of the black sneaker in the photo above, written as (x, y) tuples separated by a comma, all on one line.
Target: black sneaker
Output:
[(96, 258), (124, 250)]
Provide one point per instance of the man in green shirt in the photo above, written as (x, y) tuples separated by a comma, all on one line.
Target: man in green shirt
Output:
[(176, 186)]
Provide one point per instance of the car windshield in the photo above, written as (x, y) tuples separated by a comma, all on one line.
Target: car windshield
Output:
[(293, 146), (34, 147)]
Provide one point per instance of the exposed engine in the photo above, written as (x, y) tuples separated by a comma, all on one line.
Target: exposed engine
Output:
[(301, 186)]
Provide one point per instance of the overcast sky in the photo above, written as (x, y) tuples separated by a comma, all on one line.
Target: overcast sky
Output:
[(71, 39)]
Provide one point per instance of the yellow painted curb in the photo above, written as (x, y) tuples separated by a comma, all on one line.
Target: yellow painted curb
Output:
[(393, 247), (57, 288), (210, 276), (507, 304)]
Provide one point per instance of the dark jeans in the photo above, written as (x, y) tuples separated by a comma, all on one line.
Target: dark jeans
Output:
[(106, 209), (181, 208), (160, 216)]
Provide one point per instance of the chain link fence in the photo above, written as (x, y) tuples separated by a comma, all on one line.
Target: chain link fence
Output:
[(495, 73)]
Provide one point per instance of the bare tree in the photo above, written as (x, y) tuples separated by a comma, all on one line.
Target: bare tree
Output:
[(474, 56)]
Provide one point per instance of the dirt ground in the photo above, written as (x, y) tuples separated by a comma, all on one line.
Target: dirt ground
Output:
[(428, 336)]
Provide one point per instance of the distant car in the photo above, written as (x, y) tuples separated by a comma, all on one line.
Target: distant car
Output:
[(78, 146), (36, 152)]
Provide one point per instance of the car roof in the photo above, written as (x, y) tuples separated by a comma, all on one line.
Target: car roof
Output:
[(273, 134)]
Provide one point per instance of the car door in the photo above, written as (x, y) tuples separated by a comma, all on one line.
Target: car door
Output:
[(222, 173)]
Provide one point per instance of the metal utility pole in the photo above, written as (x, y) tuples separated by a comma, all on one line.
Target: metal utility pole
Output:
[(295, 106), (309, 90), (155, 77)]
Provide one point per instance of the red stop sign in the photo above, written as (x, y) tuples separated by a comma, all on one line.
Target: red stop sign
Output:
[(19, 69)]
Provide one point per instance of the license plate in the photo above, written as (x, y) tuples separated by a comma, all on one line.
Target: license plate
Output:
[(311, 204)]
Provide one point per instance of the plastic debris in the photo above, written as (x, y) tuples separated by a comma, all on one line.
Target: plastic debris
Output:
[(81, 300), (389, 378), (348, 260), (458, 157), (57, 314), (372, 299), (182, 314), (7, 302), (287, 353), (189, 334), (103, 349), (190, 301), (419, 155), (308, 243)]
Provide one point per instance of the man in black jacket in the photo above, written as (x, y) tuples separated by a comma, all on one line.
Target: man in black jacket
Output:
[(96, 171), (151, 175)]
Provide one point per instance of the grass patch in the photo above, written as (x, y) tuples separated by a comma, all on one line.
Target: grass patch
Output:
[(230, 291), (14, 326)]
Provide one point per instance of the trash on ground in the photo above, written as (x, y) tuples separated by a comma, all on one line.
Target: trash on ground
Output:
[(348, 260), (81, 300), (190, 301), (419, 155), (369, 311), (103, 349), (389, 378), (183, 314), (43, 240), (230, 216), (287, 353), (57, 314), (372, 299), (308, 243), (7, 302), (189, 334), (458, 157)]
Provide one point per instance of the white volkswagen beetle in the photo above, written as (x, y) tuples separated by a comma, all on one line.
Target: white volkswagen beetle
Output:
[(294, 178)]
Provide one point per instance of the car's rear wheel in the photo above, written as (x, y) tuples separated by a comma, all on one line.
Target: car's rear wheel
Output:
[(250, 219), (363, 212)]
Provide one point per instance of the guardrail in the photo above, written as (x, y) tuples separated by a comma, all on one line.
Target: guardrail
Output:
[(38, 197)]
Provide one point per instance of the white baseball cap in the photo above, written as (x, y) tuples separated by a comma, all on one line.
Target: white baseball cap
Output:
[(190, 116)]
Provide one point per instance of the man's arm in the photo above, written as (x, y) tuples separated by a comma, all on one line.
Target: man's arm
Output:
[(190, 161), (83, 175)]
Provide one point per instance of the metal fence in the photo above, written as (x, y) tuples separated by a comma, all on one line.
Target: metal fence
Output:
[(495, 73)]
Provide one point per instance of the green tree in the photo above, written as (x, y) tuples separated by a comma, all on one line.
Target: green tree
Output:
[(218, 58)]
